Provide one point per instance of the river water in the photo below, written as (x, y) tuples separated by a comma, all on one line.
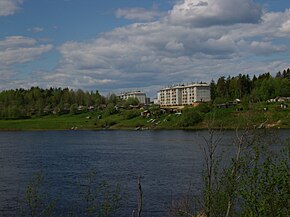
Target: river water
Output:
[(169, 163)]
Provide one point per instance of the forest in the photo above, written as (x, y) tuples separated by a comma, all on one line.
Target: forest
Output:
[(27, 103), (260, 88), (21, 103)]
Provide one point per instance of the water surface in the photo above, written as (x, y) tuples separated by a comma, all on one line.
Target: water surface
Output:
[(169, 162)]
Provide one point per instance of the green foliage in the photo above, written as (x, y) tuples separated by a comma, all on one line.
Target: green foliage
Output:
[(131, 101), (74, 109), (257, 89), (245, 102), (190, 117), (203, 108), (110, 109), (36, 202), (113, 99), (194, 115), (21, 103), (220, 100), (254, 182), (129, 114), (265, 184)]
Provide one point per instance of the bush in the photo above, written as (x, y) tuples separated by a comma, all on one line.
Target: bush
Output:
[(203, 108), (110, 109), (255, 182), (264, 186), (190, 117)]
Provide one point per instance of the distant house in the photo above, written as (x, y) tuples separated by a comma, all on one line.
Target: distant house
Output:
[(145, 113), (141, 96), (81, 108), (271, 100), (283, 106), (237, 101), (91, 108), (279, 99), (282, 99), (223, 105)]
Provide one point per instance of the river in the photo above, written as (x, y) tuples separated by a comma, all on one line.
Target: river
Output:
[(169, 163)]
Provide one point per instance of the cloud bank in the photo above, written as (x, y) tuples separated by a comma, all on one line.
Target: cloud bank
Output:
[(18, 49), (196, 40), (139, 14), (9, 7), (15, 51), (215, 12)]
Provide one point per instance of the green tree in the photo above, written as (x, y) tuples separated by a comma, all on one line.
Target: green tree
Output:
[(190, 117), (213, 90), (112, 98), (131, 101), (73, 108), (110, 109), (284, 87), (221, 87)]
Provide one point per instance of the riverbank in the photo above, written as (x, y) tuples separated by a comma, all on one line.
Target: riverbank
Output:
[(225, 118)]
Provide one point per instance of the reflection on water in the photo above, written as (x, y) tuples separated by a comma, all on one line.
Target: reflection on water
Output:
[(168, 161)]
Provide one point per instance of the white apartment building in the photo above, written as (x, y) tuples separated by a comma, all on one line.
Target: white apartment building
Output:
[(181, 95), (134, 94)]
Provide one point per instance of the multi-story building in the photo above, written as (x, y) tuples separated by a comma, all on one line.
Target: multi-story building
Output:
[(135, 94), (181, 95)]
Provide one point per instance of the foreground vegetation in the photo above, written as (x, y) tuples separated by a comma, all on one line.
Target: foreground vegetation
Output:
[(255, 182)]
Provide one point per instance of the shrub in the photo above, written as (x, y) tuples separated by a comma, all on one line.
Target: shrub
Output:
[(203, 108), (190, 117)]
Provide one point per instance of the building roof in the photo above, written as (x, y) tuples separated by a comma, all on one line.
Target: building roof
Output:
[(137, 92), (185, 86)]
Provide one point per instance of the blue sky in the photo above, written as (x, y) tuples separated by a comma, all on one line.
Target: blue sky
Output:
[(116, 46)]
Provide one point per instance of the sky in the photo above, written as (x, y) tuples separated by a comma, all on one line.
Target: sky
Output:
[(121, 45)]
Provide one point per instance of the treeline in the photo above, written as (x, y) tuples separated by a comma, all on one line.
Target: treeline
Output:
[(254, 89), (21, 103)]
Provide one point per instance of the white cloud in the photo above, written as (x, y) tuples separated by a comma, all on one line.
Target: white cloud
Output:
[(36, 29), (19, 49), (214, 40), (215, 12), (266, 48), (187, 44), (174, 46), (15, 42), (22, 55), (140, 14), (285, 26), (9, 7)]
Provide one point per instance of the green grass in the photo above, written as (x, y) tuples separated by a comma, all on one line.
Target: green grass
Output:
[(274, 116), (227, 118), (62, 122)]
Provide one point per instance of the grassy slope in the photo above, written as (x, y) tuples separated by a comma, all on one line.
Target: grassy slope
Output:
[(226, 118), (62, 122)]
